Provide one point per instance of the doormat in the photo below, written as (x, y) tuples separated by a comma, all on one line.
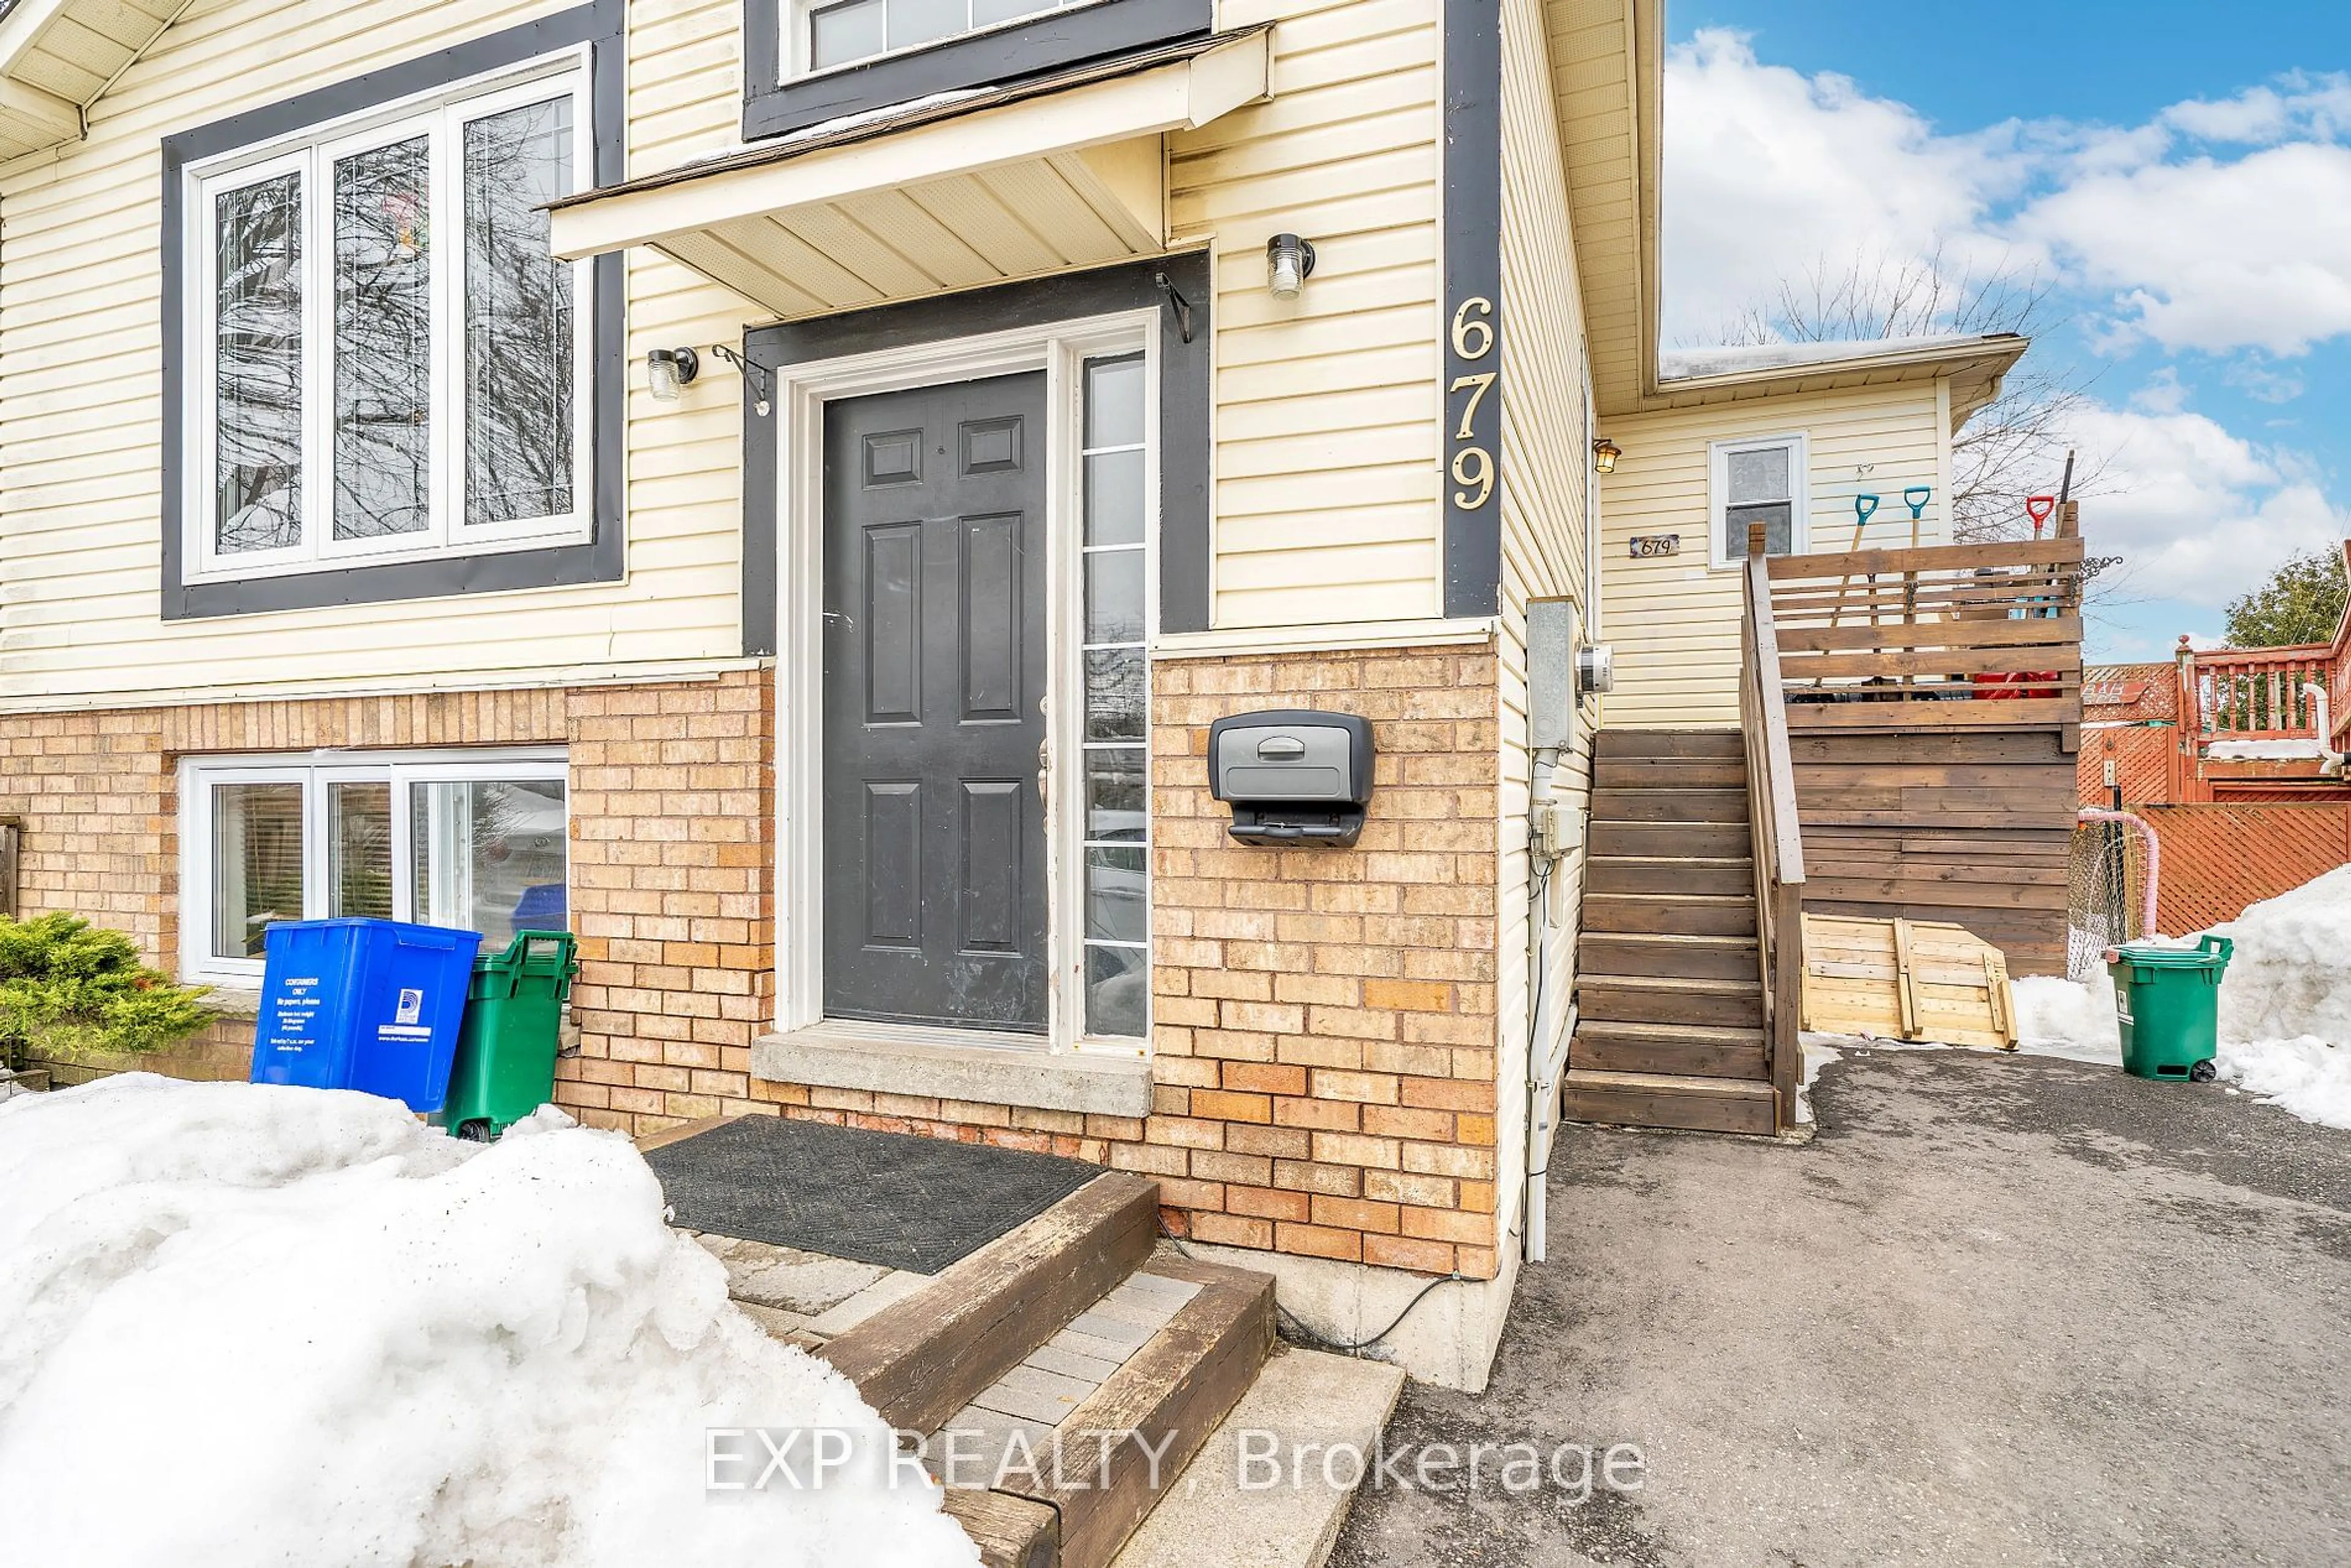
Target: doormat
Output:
[(891, 1198)]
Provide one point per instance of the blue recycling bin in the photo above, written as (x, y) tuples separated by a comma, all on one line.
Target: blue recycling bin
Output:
[(371, 1004)]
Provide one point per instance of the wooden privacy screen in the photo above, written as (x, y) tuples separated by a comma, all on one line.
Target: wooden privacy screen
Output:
[(1938, 638)]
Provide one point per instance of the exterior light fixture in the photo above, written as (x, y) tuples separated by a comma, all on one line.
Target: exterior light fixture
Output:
[(1289, 263), (668, 370), (1605, 453)]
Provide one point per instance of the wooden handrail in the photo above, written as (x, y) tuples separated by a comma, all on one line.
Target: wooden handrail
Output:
[(1775, 831), (2256, 694)]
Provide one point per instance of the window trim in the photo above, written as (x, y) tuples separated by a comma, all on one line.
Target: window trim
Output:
[(596, 554), (314, 771), (440, 114), (1718, 494), (777, 98)]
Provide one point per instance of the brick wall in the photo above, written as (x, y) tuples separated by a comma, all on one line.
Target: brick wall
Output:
[(1326, 1018)]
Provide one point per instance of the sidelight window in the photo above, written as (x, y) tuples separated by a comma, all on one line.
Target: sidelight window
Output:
[(389, 365), (1115, 549)]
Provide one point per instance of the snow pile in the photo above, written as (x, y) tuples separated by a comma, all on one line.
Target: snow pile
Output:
[(2291, 974), (2068, 1019), (2306, 1077), (257, 1324), (2265, 750)]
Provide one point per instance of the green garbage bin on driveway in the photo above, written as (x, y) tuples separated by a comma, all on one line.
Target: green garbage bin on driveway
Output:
[(514, 1020), (2167, 1000)]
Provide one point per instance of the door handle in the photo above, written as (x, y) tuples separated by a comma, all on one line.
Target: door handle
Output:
[(1044, 769)]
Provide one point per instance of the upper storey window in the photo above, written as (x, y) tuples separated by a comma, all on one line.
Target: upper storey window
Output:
[(388, 362), (816, 60), (846, 31)]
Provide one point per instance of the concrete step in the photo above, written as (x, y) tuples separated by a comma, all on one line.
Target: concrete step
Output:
[(1669, 1100), (1310, 1402)]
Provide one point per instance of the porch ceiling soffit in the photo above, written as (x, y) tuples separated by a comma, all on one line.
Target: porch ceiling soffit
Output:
[(60, 56), (1048, 175), (1608, 69)]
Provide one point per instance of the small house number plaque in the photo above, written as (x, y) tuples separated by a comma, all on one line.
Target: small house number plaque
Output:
[(1647, 545)]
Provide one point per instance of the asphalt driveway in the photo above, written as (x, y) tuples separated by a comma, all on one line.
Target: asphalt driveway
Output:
[(1999, 1311)]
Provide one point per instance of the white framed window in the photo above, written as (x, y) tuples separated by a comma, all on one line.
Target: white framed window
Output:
[(825, 34), (1763, 480), (475, 839), (385, 362)]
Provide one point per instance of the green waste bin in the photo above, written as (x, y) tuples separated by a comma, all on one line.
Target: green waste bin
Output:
[(2167, 1000), (505, 1050)]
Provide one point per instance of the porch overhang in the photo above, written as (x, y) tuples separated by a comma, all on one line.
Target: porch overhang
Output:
[(1048, 175), (57, 58)]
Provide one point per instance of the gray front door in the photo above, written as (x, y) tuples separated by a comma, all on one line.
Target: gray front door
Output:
[(934, 598)]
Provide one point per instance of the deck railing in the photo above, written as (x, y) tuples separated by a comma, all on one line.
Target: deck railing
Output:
[(1940, 637), (2257, 694), (1778, 845)]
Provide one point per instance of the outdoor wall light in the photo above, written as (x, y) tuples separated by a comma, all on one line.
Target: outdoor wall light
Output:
[(1289, 263), (1605, 453), (668, 370)]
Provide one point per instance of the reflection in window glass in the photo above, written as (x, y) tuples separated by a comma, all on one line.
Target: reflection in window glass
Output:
[(520, 349), (488, 855), (257, 365), (1762, 489), (1117, 756), (383, 342), (858, 30), (359, 848), (257, 863)]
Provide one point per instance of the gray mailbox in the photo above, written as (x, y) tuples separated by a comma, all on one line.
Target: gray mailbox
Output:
[(1292, 776)]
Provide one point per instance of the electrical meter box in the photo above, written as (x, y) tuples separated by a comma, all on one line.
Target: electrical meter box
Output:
[(1292, 776)]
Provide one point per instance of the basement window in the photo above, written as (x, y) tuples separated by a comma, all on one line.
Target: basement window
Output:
[(1758, 481), (477, 841), (384, 363)]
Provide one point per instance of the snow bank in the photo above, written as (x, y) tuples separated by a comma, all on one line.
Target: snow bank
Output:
[(2291, 975), (2306, 1077), (2265, 750), (2067, 1017), (256, 1325)]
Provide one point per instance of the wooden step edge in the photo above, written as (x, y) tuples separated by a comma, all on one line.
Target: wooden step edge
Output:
[(1616, 1031), (1716, 862), (1010, 1532), (1741, 1106), (1670, 983), (1176, 1390), (1669, 1083), (1709, 899), (920, 1360), (1662, 938)]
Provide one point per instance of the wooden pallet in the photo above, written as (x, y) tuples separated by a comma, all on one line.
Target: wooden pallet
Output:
[(1906, 979)]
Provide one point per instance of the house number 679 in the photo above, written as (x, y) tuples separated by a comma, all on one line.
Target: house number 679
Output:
[(1473, 466)]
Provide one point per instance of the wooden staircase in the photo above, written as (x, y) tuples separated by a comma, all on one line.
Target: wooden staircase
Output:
[(1670, 1008)]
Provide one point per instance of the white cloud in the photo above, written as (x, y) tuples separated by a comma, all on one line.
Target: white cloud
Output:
[(2214, 255), (2202, 514), (1771, 173)]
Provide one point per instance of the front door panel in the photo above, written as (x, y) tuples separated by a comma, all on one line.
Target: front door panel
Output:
[(934, 597)]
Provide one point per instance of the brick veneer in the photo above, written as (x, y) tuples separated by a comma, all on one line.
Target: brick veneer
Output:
[(1325, 1025), (1325, 1066)]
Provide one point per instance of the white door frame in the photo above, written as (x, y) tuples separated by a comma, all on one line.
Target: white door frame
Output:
[(803, 390)]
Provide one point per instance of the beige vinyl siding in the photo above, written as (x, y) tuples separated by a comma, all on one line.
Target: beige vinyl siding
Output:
[(80, 399), (1674, 620), (1326, 406), (1544, 473)]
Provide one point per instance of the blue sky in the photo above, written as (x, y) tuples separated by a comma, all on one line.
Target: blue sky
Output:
[(2179, 173)]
